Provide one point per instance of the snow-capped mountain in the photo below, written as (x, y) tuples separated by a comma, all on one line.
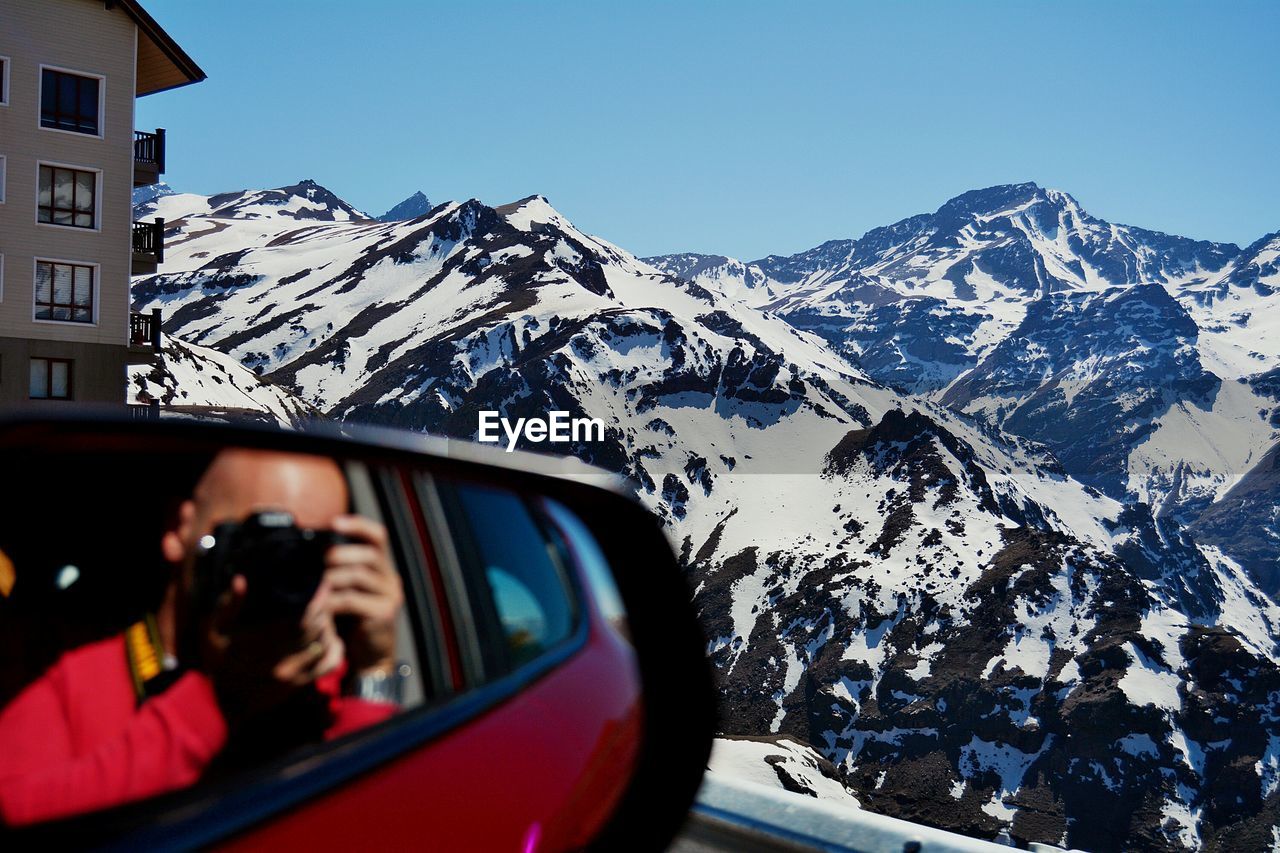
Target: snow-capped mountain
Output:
[(974, 264), (1143, 360), (411, 208), (304, 201), (726, 276), (187, 379), (1238, 313), (400, 322), (972, 664), (971, 636)]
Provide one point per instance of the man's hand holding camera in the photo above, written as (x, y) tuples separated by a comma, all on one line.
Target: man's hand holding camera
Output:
[(257, 666), (365, 592), (259, 660)]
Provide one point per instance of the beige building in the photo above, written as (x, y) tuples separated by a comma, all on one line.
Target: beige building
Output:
[(69, 160)]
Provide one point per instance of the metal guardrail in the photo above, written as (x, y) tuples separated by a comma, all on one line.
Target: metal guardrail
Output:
[(746, 816)]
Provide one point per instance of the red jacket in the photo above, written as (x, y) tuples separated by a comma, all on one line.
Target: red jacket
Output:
[(76, 739)]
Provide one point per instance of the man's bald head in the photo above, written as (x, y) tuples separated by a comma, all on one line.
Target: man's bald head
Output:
[(240, 482)]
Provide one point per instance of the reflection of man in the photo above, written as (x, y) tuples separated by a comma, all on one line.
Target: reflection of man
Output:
[(134, 716)]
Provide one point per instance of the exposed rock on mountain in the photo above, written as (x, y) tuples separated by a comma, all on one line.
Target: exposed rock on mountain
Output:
[(979, 259), (726, 276), (968, 662)]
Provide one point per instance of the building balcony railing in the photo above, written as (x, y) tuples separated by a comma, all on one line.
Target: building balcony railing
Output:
[(148, 157), (144, 329), (149, 411), (148, 246)]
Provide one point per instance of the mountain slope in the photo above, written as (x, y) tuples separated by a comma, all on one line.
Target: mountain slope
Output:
[(195, 380), (1144, 361), (1238, 312), (1245, 522), (944, 639)]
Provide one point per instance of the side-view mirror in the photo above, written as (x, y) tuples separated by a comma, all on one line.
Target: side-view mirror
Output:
[(235, 636)]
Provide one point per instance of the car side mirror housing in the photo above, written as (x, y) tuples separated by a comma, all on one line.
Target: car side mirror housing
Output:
[(552, 683)]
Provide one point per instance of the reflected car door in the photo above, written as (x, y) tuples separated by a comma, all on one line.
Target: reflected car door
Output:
[(537, 745)]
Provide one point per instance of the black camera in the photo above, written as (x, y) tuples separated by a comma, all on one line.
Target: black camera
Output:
[(281, 562)]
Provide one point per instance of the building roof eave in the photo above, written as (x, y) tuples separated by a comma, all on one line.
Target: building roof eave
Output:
[(188, 71)]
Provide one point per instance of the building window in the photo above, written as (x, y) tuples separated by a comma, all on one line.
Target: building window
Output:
[(50, 379), (67, 197), (69, 101), (4, 81), (64, 292), (3, 163)]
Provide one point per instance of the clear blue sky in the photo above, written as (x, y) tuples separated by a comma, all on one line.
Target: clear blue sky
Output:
[(738, 128)]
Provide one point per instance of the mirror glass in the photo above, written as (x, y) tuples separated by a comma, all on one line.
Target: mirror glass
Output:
[(181, 620)]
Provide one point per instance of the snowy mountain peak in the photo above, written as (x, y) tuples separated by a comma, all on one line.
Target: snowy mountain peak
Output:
[(306, 200), (1258, 265), (994, 199), (1267, 241), (530, 211), (151, 192), (303, 200), (411, 208), (688, 265), (1061, 198)]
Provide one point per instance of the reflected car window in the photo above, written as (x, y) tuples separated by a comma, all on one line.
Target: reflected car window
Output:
[(525, 572), (593, 563)]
